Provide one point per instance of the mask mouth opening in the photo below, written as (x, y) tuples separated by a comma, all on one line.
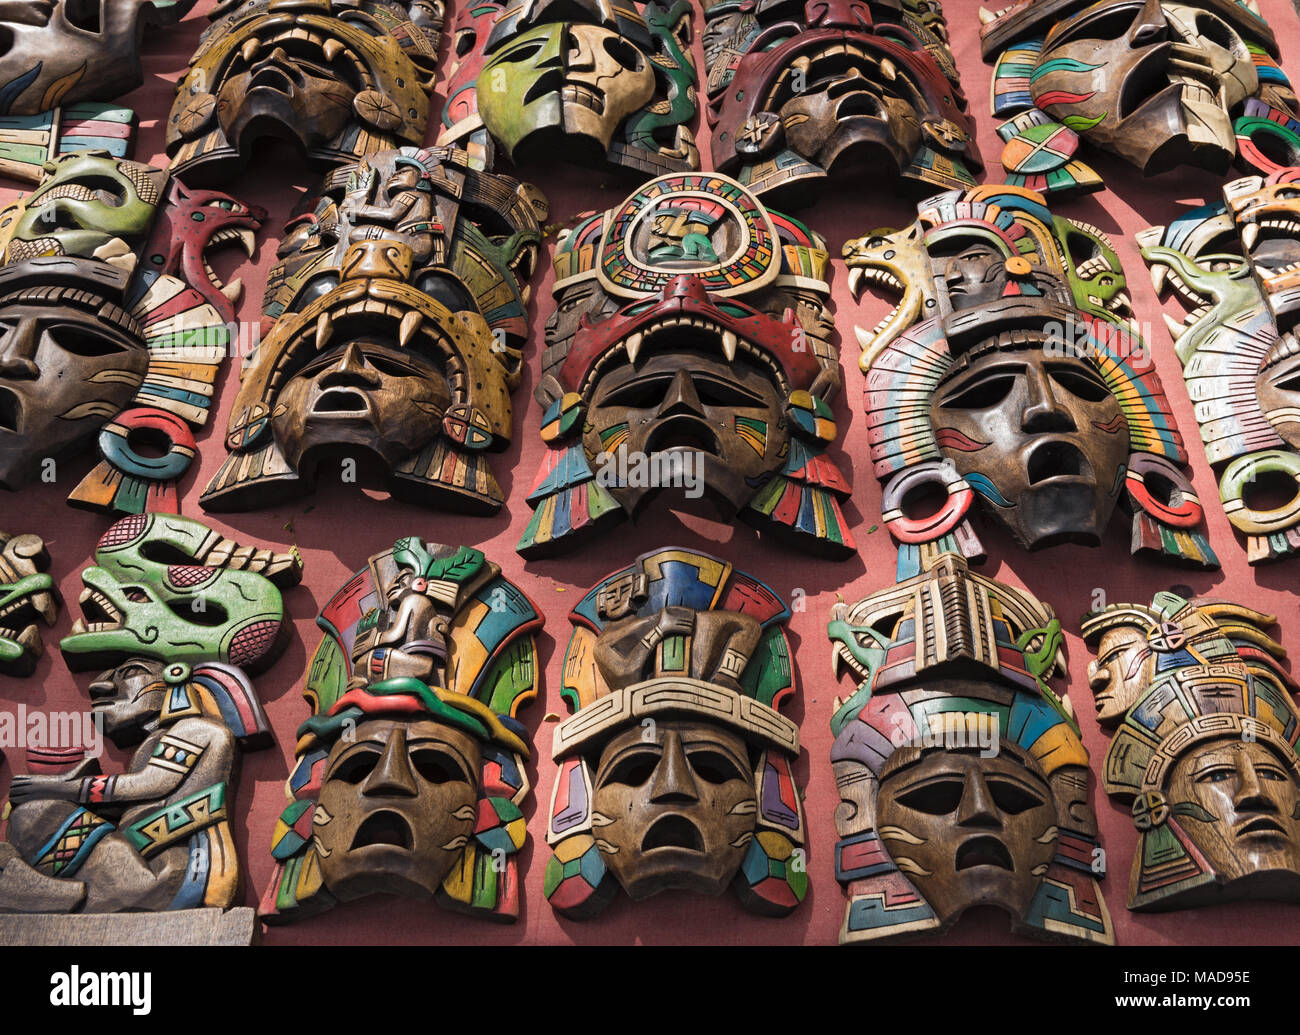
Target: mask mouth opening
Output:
[(384, 828), (984, 851), (583, 96), (1057, 460), (547, 83), (341, 401), (9, 410), (683, 433), (673, 832), (1262, 825), (1145, 81)]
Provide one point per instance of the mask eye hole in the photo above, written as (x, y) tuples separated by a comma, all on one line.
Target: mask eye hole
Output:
[(720, 393), (524, 52), (199, 611), (624, 53), (714, 767), (984, 394), (356, 766), (1011, 798), (1078, 383), (80, 341), (83, 15), (437, 766), (634, 770), (936, 798)]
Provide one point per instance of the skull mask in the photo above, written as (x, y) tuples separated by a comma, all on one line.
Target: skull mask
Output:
[(1153, 82), (55, 52)]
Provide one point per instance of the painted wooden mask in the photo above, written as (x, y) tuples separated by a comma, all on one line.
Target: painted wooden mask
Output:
[(396, 320), (690, 349), (112, 325), (410, 771), (800, 89), (1159, 84), (588, 80), (1010, 369), (340, 79), (1203, 746), (69, 52), (1231, 265), (674, 770), (963, 780), (27, 597), (180, 615)]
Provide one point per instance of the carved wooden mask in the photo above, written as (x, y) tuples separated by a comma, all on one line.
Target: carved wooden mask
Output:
[(63, 51), (180, 615), (674, 770), (690, 344), (798, 89), (341, 79), (1010, 369), (27, 596), (396, 320), (112, 325), (963, 780), (1230, 265), (587, 80), (1159, 84), (410, 771), (1204, 729)]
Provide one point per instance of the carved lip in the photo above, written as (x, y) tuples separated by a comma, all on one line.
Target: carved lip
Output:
[(1260, 826), (1057, 455), (984, 851), (384, 828), (684, 433), (341, 403), (673, 832)]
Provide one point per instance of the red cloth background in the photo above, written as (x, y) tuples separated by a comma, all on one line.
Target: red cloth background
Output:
[(340, 526)]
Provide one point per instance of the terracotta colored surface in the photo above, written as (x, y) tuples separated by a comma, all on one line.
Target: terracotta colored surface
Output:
[(340, 526)]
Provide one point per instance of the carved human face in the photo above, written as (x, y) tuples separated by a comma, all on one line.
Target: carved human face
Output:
[(386, 400), (1045, 433), (975, 276), (64, 372), (1247, 818), (729, 416), (128, 697), (396, 808), (1118, 675), (1152, 82), (568, 80), (968, 830), (680, 804)]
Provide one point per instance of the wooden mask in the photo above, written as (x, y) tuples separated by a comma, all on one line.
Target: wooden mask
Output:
[(593, 82), (63, 63), (410, 771), (1203, 747), (1159, 84), (340, 78), (112, 325), (690, 347), (1011, 369), (179, 615), (397, 318), (800, 89), (674, 769), (963, 780), (27, 596), (1230, 266)]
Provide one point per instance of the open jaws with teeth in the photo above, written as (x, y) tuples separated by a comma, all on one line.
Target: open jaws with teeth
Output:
[(834, 63), (861, 276), (299, 42), (99, 613), (247, 240), (731, 343), (583, 96)]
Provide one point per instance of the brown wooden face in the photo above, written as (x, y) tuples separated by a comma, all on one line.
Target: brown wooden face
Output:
[(1152, 82), (1247, 815), (128, 697), (396, 807), (385, 400), (685, 402), (675, 807), (968, 830), (1118, 676), (1045, 432), (63, 374), (1278, 385)]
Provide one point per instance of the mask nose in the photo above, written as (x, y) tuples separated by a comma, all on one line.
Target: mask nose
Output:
[(1043, 414), (352, 371), (977, 808), (18, 352), (673, 783), (392, 776)]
